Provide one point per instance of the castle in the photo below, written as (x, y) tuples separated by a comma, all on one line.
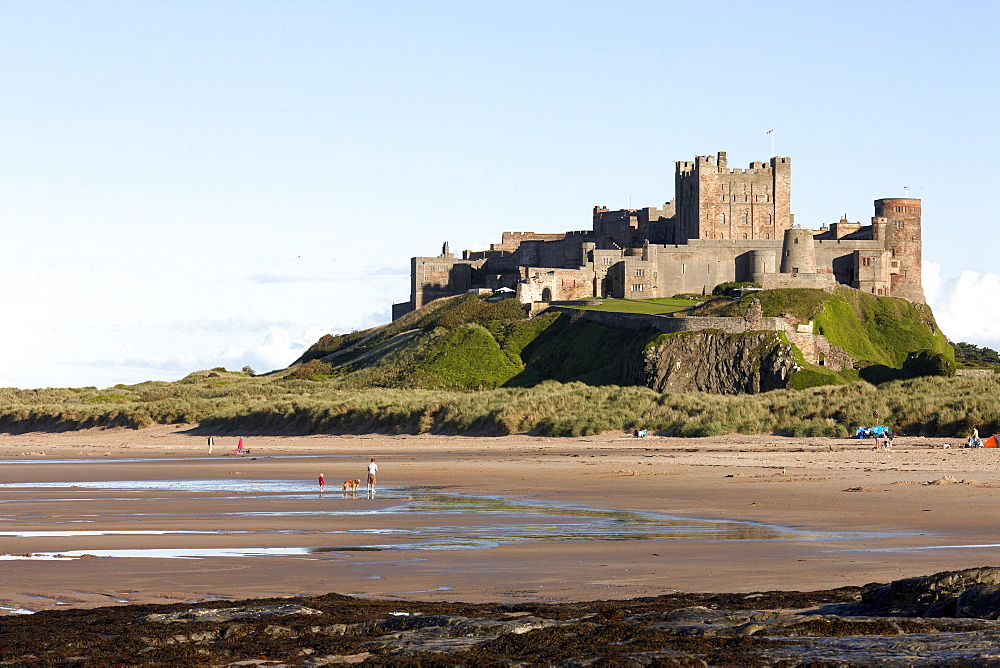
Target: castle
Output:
[(723, 225)]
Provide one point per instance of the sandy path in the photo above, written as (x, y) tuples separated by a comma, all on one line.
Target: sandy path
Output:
[(799, 483)]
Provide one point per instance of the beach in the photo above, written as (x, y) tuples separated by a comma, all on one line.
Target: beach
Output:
[(478, 519)]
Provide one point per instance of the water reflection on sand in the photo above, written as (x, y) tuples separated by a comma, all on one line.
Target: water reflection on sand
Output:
[(484, 522)]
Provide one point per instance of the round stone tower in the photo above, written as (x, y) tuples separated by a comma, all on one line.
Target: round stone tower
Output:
[(897, 225), (798, 253)]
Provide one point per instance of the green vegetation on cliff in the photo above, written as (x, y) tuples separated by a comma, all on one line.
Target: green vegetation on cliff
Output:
[(469, 365), (889, 338)]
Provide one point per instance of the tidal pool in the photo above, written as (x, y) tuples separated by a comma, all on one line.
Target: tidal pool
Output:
[(494, 521)]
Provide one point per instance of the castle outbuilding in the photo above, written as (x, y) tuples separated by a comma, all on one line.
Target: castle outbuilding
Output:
[(723, 225)]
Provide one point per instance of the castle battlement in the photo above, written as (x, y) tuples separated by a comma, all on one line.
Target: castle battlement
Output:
[(722, 225)]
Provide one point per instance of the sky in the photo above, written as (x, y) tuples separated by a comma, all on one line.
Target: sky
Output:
[(186, 184)]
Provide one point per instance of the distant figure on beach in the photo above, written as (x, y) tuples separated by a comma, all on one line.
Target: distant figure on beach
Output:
[(974, 441), (876, 416), (239, 446), (211, 442), (372, 470), (322, 483)]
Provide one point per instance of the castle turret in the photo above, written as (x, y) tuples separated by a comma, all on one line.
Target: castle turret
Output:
[(897, 225), (798, 253)]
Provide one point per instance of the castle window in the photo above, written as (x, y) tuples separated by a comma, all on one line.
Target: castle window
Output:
[(640, 272), (767, 236), (795, 240), (744, 235), (900, 209), (722, 219), (637, 287), (606, 260), (722, 198), (866, 262), (746, 198), (899, 223), (744, 219), (767, 219)]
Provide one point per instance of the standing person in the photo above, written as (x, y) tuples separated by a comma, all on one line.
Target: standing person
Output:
[(876, 416), (322, 483), (372, 470), (239, 446), (211, 442)]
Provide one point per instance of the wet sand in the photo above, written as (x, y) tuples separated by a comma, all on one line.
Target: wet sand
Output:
[(810, 485)]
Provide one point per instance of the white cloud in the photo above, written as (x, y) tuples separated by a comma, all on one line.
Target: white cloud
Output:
[(967, 308)]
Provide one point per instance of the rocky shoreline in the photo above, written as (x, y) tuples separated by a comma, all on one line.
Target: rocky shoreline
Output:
[(840, 626)]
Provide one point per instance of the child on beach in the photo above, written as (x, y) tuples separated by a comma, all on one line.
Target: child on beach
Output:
[(372, 470)]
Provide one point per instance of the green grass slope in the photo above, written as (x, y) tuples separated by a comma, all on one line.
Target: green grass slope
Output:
[(881, 333), (470, 365)]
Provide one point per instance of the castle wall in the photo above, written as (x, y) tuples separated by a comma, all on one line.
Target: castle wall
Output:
[(548, 285), (701, 264), (669, 325), (436, 277)]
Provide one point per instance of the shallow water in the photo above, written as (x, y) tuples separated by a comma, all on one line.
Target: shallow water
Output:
[(501, 521)]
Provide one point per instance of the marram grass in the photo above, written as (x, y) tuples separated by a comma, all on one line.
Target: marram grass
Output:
[(236, 403)]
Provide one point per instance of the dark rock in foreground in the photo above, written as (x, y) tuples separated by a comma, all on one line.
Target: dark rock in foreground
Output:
[(785, 628), (974, 592)]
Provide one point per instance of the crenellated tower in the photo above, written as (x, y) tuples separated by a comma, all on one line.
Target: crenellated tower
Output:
[(715, 202)]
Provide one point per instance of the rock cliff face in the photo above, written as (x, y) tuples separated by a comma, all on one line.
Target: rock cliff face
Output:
[(717, 362)]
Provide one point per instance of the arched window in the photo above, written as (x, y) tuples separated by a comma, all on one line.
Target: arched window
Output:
[(744, 219), (744, 235)]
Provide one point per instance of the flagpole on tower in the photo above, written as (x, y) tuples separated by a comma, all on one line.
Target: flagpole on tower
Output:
[(771, 132)]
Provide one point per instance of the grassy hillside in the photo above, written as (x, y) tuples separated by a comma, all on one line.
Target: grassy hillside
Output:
[(468, 365), (881, 333)]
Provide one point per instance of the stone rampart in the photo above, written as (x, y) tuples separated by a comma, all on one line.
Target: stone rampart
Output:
[(669, 325), (981, 373)]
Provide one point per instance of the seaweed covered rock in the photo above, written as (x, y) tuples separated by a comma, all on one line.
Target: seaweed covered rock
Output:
[(974, 592)]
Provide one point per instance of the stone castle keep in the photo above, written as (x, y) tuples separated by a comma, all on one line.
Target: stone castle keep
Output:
[(723, 225)]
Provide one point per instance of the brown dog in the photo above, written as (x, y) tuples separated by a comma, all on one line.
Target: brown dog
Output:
[(351, 485)]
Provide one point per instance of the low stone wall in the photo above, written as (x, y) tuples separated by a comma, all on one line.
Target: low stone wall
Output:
[(669, 325), (982, 373), (815, 347)]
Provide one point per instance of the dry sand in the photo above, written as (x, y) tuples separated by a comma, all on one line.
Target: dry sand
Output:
[(813, 484)]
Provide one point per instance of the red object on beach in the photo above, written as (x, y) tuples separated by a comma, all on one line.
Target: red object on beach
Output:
[(991, 442)]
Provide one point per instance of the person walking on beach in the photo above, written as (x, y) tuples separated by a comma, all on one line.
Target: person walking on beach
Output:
[(322, 483), (211, 442), (239, 446), (372, 470)]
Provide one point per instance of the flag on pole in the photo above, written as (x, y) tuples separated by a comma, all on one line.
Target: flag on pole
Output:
[(770, 131)]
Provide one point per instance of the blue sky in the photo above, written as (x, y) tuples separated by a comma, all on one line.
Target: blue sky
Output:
[(185, 185)]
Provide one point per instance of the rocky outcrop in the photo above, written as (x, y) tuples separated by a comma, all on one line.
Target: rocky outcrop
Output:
[(717, 362), (974, 592)]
